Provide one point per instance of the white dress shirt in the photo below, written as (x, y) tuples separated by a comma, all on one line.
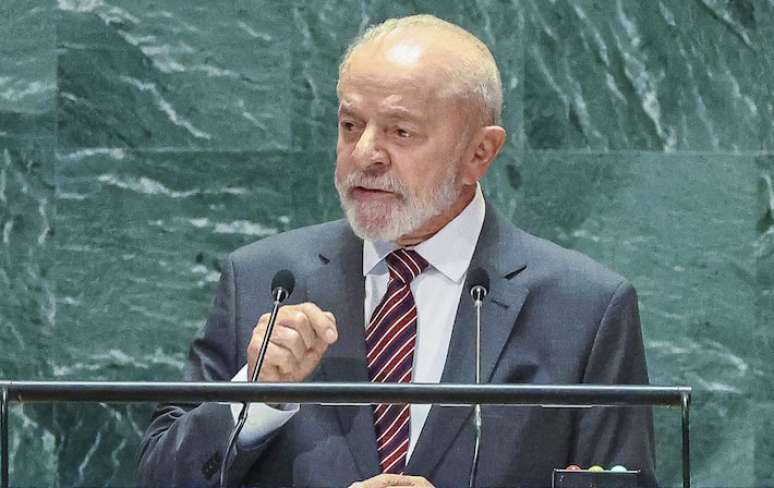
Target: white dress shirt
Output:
[(437, 293)]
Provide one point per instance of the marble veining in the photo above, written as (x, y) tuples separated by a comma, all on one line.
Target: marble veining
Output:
[(141, 140)]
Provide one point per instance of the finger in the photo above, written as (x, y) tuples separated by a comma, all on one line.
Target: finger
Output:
[(281, 358), (295, 318), (263, 321), (290, 339), (253, 348), (419, 481), (259, 331), (324, 323), (400, 480), (384, 480), (304, 330), (269, 373)]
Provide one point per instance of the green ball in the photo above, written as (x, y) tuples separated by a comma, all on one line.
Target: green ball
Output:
[(596, 469)]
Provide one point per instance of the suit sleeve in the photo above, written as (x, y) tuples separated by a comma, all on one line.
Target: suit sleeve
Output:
[(185, 443), (617, 435)]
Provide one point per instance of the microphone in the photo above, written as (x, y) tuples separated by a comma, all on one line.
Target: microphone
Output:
[(282, 285), (478, 287), (478, 284)]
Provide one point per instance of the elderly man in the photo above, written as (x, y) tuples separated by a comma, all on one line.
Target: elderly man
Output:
[(380, 298)]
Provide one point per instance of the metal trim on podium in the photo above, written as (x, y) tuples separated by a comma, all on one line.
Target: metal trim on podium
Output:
[(547, 396)]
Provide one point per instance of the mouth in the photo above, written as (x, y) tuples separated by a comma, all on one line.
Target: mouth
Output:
[(361, 192)]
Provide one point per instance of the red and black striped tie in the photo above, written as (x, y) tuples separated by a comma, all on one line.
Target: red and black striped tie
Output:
[(390, 341)]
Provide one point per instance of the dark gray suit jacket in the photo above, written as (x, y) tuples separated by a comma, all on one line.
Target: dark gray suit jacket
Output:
[(553, 316)]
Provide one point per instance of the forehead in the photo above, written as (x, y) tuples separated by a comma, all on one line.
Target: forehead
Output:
[(400, 101), (393, 79), (392, 109)]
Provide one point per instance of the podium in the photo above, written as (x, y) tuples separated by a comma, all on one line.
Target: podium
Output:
[(447, 394)]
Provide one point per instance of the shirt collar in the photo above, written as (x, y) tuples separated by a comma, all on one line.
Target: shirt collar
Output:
[(449, 250)]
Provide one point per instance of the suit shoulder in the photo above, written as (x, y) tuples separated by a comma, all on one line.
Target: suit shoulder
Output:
[(550, 261), (291, 248)]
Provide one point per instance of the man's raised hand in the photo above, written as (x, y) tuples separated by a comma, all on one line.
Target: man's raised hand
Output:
[(301, 336), (398, 480)]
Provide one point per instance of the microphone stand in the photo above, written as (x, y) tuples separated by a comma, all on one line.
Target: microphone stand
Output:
[(280, 294), (478, 293)]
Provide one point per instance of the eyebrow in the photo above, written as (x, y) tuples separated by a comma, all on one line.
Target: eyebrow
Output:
[(343, 110), (402, 113), (394, 112)]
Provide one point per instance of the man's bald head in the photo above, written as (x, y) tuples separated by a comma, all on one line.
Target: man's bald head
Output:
[(466, 61)]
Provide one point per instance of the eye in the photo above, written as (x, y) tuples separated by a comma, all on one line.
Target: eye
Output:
[(402, 133), (346, 125)]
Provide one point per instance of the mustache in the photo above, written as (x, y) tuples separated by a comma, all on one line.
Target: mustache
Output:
[(384, 182)]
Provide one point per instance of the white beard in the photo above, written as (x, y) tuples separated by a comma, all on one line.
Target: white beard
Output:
[(390, 220)]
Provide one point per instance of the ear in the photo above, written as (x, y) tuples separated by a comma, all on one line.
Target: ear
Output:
[(486, 145)]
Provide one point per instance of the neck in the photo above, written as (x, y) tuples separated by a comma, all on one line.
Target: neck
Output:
[(438, 222)]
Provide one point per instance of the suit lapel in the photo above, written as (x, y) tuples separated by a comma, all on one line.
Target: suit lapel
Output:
[(341, 275), (494, 253)]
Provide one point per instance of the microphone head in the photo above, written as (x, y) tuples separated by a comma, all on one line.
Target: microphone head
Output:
[(284, 280), (478, 283)]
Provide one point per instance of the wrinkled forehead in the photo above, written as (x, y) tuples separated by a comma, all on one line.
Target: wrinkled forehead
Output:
[(402, 70), (389, 107), (392, 95)]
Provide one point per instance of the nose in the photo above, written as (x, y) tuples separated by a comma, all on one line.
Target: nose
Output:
[(369, 152)]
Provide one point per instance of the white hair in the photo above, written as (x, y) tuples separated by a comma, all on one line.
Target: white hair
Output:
[(475, 77)]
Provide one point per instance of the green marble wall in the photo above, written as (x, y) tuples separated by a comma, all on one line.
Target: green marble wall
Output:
[(141, 140)]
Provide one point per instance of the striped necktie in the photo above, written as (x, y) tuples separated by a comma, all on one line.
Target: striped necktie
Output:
[(390, 342)]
